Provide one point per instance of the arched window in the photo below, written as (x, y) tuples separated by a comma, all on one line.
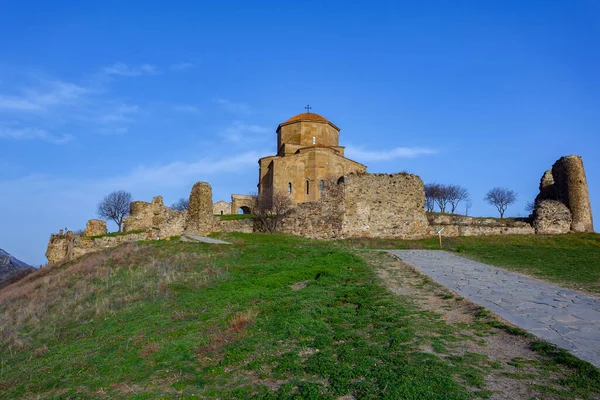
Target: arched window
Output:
[(289, 187), (307, 187), (314, 140), (321, 186)]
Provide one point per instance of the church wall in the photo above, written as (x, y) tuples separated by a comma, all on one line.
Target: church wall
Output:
[(312, 165), (222, 207), (302, 133)]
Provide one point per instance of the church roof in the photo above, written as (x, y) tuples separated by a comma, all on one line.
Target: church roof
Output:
[(308, 117)]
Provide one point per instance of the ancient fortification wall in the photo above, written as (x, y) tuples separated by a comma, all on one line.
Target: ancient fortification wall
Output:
[(384, 205), (147, 221), (459, 225), (95, 227), (67, 247), (364, 205), (563, 204), (156, 217)]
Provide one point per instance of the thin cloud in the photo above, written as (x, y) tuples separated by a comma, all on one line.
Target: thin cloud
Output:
[(240, 131), (186, 108), (141, 179), (122, 113), (121, 69), (49, 94), (233, 107), (181, 66), (33, 134), (361, 154)]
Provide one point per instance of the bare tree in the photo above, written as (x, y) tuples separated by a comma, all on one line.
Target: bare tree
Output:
[(442, 198), (456, 194), (468, 205), (530, 206), (431, 192), (501, 198), (115, 206), (270, 210), (181, 204)]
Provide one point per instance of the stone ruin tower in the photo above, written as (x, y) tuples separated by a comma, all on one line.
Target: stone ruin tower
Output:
[(563, 204), (200, 218)]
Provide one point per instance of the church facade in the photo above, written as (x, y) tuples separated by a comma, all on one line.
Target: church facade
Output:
[(308, 156)]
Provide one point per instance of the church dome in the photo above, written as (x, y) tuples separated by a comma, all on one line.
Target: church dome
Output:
[(307, 117)]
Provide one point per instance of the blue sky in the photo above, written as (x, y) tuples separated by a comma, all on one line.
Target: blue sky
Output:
[(152, 97)]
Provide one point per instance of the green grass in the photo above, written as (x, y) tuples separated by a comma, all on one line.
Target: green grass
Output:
[(172, 319), (270, 317), (114, 234), (571, 260)]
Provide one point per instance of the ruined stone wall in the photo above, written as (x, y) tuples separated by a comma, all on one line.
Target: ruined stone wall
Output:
[(363, 205), (240, 225), (319, 219), (459, 225), (95, 227), (155, 216), (67, 247), (384, 205)]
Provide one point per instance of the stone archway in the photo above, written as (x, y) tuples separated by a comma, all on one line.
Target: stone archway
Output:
[(244, 202), (245, 210)]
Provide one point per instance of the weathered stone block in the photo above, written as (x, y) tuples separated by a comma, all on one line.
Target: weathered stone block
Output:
[(95, 227), (552, 217)]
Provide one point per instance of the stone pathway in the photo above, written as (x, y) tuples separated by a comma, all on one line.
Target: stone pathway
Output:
[(564, 317), (190, 237)]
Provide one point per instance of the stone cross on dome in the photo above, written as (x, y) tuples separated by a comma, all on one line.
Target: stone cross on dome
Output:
[(308, 108)]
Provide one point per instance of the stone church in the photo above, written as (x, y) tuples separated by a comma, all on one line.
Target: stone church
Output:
[(308, 155)]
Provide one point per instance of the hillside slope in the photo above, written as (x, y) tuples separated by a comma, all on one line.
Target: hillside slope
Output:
[(268, 317)]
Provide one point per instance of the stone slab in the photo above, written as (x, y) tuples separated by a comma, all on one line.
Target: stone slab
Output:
[(191, 237), (564, 317)]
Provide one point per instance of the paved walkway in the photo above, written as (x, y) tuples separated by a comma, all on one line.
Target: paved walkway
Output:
[(564, 317), (191, 237)]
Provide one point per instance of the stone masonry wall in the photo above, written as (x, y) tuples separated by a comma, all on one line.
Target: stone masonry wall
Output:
[(384, 205), (318, 219), (67, 247), (95, 227), (164, 221), (363, 205), (459, 225)]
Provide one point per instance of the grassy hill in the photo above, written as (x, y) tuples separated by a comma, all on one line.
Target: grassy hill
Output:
[(267, 317)]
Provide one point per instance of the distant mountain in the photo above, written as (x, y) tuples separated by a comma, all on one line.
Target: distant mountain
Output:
[(11, 268)]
